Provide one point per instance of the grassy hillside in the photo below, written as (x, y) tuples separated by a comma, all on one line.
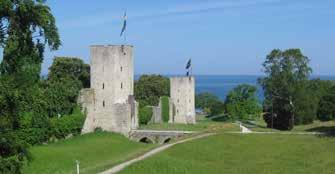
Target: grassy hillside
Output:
[(243, 154), (317, 126), (95, 152)]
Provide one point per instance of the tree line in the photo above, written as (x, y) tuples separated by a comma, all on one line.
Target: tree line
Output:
[(291, 97), (34, 110)]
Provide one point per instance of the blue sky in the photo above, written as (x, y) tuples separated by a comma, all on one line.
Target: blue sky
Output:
[(221, 36)]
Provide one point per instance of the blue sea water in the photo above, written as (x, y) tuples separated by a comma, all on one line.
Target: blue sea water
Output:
[(220, 85)]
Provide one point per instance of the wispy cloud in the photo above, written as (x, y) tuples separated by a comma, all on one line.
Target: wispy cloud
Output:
[(190, 8)]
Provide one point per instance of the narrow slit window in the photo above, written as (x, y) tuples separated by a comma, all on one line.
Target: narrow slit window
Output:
[(121, 85), (103, 103), (121, 68), (103, 85)]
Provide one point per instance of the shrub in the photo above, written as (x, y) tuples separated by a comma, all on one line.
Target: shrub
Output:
[(217, 108), (33, 128), (209, 103), (67, 124), (326, 110), (165, 108), (241, 103), (145, 114), (13, 153)]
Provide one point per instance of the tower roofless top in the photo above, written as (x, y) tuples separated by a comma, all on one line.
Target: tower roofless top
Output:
[(110, 45)]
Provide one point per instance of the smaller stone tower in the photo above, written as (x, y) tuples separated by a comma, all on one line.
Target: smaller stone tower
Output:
[(110, 103), (182, 100)]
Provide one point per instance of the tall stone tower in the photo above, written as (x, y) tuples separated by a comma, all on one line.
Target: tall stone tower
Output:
[(182, 100), (110, 103)]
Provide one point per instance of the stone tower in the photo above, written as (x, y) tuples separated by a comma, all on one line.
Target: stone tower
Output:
[(182, 100), (110, 103)]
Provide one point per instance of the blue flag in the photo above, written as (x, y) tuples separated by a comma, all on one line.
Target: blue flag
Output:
[(124, 23), (188, 65)]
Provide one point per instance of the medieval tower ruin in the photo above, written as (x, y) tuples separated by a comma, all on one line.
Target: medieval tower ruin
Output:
[(182, 100), (110, 103)]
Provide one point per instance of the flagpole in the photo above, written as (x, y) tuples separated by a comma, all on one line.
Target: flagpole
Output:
[(125, 39)]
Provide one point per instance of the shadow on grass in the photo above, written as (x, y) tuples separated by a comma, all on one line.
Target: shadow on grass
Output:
[(326, 130), (219, 118), (252, 124)]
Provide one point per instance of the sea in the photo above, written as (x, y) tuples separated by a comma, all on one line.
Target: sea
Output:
[(220, 85)]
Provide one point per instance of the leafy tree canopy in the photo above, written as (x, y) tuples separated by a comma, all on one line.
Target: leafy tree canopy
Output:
[(149, 88), (241, 103), (209, 103), (72, 68), (287, 72), (25, 27)]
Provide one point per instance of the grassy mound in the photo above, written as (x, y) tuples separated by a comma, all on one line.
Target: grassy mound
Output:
[(96, 152), (239, 154)]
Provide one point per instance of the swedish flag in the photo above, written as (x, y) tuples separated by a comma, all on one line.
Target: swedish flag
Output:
[(188, 65), (124, 23)]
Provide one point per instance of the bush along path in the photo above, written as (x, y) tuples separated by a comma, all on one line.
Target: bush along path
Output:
[(123, 165)]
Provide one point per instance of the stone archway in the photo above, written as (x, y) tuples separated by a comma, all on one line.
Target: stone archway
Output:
[(167, 140), (146, 140)]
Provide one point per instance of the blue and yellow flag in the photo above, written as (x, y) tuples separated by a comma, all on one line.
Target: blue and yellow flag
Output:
[(124, 23), (188, 65)]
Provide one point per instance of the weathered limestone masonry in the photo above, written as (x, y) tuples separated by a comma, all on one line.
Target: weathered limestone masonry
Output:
[(182, 100), (157, 113), (110, 102)]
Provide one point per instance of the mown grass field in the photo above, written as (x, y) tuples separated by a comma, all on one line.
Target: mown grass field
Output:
[(222, 153), (244, 154), (317, 126), (96, 152)]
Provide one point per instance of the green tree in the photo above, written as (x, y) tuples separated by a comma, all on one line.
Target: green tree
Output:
[(209, 103), (145, 114), (287, 73), (26, 27), (67, 76), (149, 88), (326, 109), (71, 68), (242, 103)]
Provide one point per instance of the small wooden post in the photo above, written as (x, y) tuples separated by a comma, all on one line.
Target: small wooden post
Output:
[(77, 163)]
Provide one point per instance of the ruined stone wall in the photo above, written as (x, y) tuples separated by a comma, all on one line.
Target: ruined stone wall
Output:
[(182, 100), (156, 115), (86, 99)]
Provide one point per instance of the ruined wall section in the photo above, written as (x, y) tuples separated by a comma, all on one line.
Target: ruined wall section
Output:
[(182, 107), (86, 99)]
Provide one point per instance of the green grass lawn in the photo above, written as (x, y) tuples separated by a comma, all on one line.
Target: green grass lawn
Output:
[(316, 126), (96, 152), (244, 154)]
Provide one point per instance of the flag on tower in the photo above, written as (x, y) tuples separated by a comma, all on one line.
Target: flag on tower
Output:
[(188, 65), (124, 23)]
